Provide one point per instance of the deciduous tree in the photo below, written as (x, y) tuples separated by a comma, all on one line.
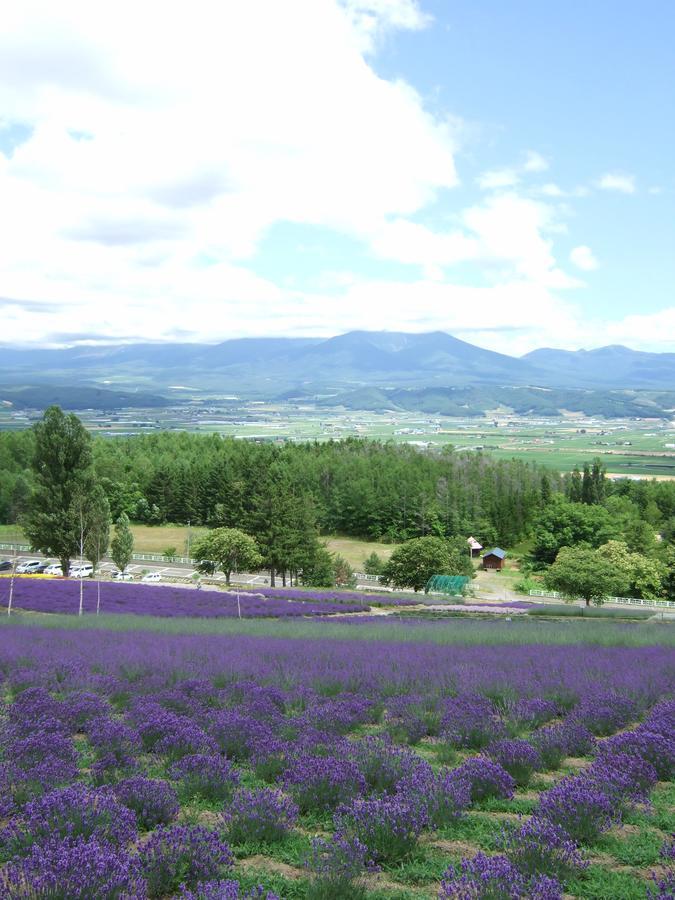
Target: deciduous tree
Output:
[(230, 549), (122, 544)]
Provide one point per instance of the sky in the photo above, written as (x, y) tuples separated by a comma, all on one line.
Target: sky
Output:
[(206, 170)]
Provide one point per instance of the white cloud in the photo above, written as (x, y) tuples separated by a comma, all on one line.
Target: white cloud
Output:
[(497, 178), (583, 258), (551, 190), (166, 137), (616, 181), (535, 162), (374, 18)]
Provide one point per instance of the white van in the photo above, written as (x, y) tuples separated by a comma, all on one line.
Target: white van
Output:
[(81, 570)]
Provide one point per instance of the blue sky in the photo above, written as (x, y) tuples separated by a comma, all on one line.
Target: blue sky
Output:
[(501, 171)]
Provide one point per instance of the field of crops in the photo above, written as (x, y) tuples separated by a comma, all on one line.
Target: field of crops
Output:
[(142, 764), (50, 595)]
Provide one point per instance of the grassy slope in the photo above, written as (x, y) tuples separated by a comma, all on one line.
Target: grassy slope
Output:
[(456, 631), (157, 538)]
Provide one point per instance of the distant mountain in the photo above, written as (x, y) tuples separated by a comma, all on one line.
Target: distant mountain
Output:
[(611, 366), (38, 396), (269, 367), (476, 400)]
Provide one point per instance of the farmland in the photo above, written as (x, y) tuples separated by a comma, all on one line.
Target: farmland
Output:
[(324, 760), (627, 446)]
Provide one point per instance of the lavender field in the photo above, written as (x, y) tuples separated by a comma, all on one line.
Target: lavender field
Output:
[(63, 596), (149, 765)]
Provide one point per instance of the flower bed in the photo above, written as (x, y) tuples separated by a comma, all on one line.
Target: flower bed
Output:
[(164, 600)]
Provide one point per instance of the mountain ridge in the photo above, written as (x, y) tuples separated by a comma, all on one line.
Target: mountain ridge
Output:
[(271, 365)]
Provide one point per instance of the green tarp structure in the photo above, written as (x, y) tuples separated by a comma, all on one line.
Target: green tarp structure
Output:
[(447, 584)]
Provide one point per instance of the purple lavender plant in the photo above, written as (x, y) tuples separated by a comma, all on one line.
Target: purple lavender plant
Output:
[(551, 744), (81, 707), (471, 721), (383, 765), (604, 712), (187, 740), (653, 747), (154, 802), (539, 846), (485, 778), (338, 868), (579, 807), (237, 735), (72, 812), (664, 884), (211, 777), (532, 712), (264, 815), (225, 890), (322, 782), (182, 855), (73, 870), (495, 878), (388, 826), (442, 797), (519, 758), (623, 777)]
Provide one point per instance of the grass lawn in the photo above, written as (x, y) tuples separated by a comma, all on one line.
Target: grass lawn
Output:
[(356, 551), (157, 538)]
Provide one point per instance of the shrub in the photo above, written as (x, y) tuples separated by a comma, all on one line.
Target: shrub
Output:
[(262, 815), (519, 758), (322, 782), (154, 802), (382, 764), (187, 740), (656, 749), (540, 846), (551, 745), (81, 707), (604, 712), (72, 812), (579, 807), (237, 735), (182, 855), (337, 868), (622, 776), (72, 870), (532, 712), (388, 826), (209, 776), (495, 878), (225, 890), (485, 778), (442, 796), (471, 721)]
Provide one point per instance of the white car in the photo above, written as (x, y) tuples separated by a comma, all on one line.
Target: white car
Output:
[(152, 576), (53, 569), (123, 576), (28, 566), (81, 570)]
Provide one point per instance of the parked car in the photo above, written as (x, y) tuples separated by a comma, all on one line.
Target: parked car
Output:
[(81, 570), (152, 576), (123, 576), (29, 566), (5, 565), (53, 569)]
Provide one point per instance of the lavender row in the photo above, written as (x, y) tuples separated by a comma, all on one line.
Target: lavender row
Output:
[(162, 600)]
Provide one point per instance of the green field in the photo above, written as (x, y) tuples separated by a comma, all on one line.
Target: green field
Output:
[(158, 538)]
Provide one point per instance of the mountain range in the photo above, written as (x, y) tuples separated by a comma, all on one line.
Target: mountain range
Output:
[(270, 368)]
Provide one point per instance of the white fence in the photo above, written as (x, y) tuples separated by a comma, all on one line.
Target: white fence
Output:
[(622, 601), (142, 557)]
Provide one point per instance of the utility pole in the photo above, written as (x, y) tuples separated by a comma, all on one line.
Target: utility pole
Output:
[(81, 557), (11, 585)]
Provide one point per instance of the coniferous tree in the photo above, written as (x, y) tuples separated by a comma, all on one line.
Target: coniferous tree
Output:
[(63, 475), (122, 544)]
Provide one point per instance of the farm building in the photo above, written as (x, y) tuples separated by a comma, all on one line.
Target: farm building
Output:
[(474, 546), (494, 559)]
